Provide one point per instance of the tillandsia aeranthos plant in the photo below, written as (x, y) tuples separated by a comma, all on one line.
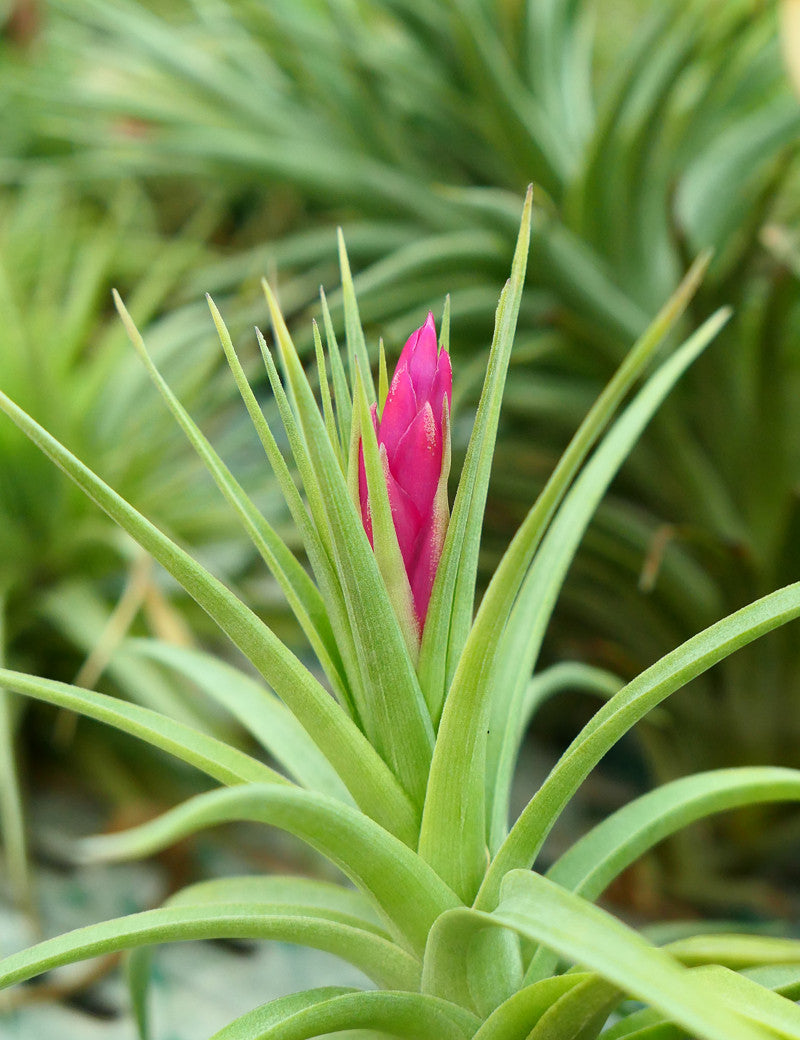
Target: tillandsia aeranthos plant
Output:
[(397, 770), (413, 435), (656, 130)]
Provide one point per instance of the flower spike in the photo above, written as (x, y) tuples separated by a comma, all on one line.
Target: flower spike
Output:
[(413, 433)]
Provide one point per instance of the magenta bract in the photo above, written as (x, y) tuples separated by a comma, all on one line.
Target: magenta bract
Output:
[(411, 436)]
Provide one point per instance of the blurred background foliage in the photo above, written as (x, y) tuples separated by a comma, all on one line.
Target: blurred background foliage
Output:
[(176, 146)]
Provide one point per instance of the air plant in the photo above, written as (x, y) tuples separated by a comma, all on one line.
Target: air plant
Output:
[(647, 145), (397, 771)]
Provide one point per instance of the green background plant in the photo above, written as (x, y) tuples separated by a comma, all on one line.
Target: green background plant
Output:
[(459, 944)]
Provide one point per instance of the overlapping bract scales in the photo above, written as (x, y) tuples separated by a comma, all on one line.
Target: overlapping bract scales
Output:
[(413, 433)]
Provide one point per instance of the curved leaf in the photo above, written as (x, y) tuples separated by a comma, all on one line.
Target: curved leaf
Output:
[(578, 1014), (514, 1019), (326, 899), (590, 865), (587, 935), (248, 1025), (255, 707), (622, 712), (376, 957), (367, 778), (300, 591), (412, 1016), (219, 760), (407, 892), (504, 750), (736, 951), (497, 661), (275, 888), (450, 609), (750, 990), (395, 714)]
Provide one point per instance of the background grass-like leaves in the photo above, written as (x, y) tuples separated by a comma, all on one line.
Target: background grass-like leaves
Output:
[(196, 145)]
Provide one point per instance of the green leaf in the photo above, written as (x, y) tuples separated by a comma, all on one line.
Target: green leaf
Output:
[(383, 378), (493, 671), (309, 533), (354, 334), (578, 1014), (395, 715), (248, 1026), (344, 402), (407, 892), (305, 926), (301, 593), (325, 394), (450, 610), (582, 933), (334, 902), (753, 999), (644, 1025), (736, 951), (326, 896), (783, 978), (508, 578), (355, 760), (12, 817), (415, 1016), (213, 757), (623, 711), (567, 675), (255, 707), (514, 1019), (593, 862)]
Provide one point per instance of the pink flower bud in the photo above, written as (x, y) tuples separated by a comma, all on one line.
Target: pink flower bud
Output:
[(413, 436)]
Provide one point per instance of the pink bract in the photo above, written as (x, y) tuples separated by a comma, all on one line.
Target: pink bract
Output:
[(411, 433)]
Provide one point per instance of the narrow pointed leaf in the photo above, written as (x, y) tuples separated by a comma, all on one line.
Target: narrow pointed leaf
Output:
[(301, 593), (453, 835), (255, 707), (383, 378), (344, 402), (592, 863), (354, 334), (12, 817), (622, 712), (450, 611), (213, 757), (369, 781), (315, 549), (325, 394), (567, 675), (395, 715)]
